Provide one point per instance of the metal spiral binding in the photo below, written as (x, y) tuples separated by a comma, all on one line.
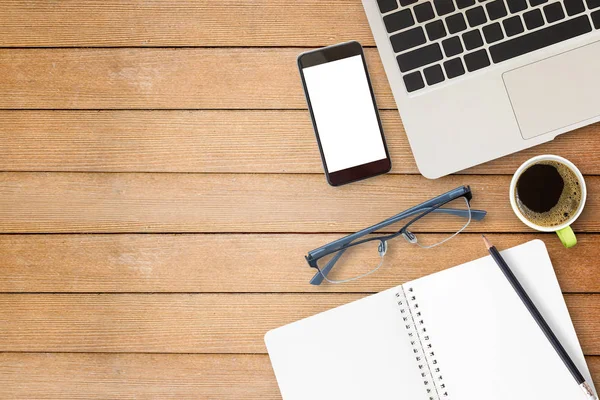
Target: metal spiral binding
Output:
[(422, 347)]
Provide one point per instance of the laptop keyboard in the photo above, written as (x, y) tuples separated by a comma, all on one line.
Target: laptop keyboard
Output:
[(438, 40)]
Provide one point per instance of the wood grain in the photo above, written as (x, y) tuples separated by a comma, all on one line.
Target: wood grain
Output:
[(188, 323), (243, 263), (192, 141), (222, 78), (190, 23), (99, 202), (146, 376)]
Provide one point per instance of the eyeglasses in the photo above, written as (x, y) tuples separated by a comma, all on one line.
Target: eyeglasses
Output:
[(362, 253)]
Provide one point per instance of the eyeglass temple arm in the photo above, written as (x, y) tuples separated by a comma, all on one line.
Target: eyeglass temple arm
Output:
[(319, 276), (476, 215), (431, 203)]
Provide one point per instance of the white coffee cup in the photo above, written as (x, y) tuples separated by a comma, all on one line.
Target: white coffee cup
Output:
[(564, 231)]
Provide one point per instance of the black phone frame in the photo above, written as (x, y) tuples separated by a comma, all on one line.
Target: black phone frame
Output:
[(334, 53)]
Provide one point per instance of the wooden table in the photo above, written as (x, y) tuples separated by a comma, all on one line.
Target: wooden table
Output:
[(161, 183)]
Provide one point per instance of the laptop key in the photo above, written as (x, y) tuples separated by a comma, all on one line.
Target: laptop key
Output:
[(477, 60), (387, 5), (476, 16), (444, 7), (408, 39), (596, 19), (493, 32), (405, 3), (541, 38), (435, 30), (496, 10), (398, 20), (424, 12), (516, 6), (533, 19), (472, 39), (456, 23), (419, 57), (554, 12), (413, 81), (513, 26), (574, 7), (535, 3), (593, 4), (434, 74), (452, 46), (454, 68)]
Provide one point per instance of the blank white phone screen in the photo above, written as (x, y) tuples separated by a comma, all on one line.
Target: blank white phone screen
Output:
[(344, 113)]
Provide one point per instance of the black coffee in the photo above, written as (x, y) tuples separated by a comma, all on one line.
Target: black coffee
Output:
[(548, 193)]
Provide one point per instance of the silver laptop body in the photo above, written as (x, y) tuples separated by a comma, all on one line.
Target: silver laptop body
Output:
[(539, 82)]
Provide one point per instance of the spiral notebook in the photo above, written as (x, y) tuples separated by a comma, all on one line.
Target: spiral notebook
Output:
[(460, 334)]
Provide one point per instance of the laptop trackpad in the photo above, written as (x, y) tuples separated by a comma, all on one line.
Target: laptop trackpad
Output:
[(556, 92)]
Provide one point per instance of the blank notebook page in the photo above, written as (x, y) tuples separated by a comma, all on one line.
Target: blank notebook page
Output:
[(486, 343), (357, 351)]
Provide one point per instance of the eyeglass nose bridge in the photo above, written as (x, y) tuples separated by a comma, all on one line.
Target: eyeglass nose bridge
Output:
[(409, 236), (382, 248)]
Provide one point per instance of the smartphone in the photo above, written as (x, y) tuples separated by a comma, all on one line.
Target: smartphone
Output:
[(344, 113)]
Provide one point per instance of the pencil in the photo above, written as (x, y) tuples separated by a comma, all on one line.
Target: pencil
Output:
[(514, 282)]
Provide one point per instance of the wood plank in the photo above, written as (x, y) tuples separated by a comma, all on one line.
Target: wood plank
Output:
[(191, 23), (99, 202), (160, 78), (192, 141), (138, 376), (240, 263), (146, 376), (187, 323)]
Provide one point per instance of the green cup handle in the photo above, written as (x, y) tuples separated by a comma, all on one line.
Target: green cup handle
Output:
[(567, 237)]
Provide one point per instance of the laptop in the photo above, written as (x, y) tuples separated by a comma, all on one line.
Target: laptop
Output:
[(475, 80)]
